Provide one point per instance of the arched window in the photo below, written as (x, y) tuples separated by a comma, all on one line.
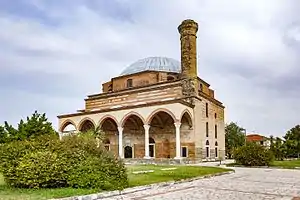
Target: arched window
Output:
[(207, 148), (206, 109), (216, 143), (215, 115), (129, 83)]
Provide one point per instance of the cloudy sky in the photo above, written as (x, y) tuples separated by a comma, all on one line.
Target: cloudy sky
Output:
[(54, 53)]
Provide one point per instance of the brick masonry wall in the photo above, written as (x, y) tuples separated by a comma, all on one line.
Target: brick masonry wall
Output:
[(135, 98)]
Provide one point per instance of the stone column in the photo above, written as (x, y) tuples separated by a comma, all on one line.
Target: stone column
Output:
[(177, 127), (120, 130), (147, 128)]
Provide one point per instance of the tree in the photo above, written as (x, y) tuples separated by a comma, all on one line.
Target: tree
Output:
[(3, 135), (253, 154), (34, 126), (292, 138), (234, 138)]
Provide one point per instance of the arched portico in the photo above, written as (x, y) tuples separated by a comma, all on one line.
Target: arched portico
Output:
[(110, 128), (86, 124), (68, 126), (133, 135), (134, 128)]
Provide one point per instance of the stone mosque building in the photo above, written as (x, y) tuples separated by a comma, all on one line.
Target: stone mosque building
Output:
[(157, 108)]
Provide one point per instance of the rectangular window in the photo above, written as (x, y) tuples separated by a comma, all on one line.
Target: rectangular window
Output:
[(216, 131), (216, 152), (207, 152), (129, 83), (207, 129), (206, 109), (184, 152)]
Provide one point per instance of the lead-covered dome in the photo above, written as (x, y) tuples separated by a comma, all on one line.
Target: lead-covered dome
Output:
[(153, 64)]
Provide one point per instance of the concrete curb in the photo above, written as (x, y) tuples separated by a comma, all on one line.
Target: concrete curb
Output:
[(109, 194)]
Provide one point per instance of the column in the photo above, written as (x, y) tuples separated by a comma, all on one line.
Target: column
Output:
[(120, 130), (177, 127), (146, 127)]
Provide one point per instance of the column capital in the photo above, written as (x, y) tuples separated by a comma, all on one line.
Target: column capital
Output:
[(146, 126), (120, 129), (177, 124)]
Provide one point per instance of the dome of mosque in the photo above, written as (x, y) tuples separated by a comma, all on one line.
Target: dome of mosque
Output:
[(153, 64)]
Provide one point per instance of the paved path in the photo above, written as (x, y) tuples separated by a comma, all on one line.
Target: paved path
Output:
[(244, 184)]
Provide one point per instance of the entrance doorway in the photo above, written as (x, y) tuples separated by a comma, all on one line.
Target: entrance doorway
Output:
[(151, 147), (128, 152)]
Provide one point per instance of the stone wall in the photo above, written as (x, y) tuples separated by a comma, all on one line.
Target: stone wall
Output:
[(138, 80), (135, 97)]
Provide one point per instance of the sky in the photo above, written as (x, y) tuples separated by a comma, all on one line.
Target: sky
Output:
[(55, 53)]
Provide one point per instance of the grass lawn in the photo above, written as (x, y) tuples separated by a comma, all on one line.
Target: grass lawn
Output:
[(286, 164), (181, 172)]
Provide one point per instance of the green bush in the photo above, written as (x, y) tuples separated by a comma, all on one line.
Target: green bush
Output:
[(47, 162), (253, 154)]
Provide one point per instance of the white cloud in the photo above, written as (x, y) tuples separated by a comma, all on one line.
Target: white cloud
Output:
[(240, 44)]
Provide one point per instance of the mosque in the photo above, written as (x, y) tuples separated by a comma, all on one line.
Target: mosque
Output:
[(157, 108)]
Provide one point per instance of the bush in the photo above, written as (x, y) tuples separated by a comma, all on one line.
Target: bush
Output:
[(253, 154), (74, 161)]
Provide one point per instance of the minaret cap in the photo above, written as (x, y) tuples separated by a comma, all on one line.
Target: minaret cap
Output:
[(188, 24)]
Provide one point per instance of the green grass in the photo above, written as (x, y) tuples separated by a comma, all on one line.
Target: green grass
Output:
[(7, 193), (182, 172), (286, 164)]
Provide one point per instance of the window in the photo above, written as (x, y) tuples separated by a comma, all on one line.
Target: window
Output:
[(184, 152), (207, 129), (129, 83), (215, 115), (201, 87), (216, 152), (170, 78), (207, 152), (206, 109), (216, 131), (106, 146)]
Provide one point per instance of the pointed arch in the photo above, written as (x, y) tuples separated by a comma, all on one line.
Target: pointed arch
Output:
[(128, 115), (151, 116), (84, 121), (207, 142), (216, 143), (188, 115), (66, 123), (108, 116)]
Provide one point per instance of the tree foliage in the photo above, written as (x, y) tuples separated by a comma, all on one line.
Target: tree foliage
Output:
[(292, 140), (35, 125), (46, 161), (253, 154), (234, 138)]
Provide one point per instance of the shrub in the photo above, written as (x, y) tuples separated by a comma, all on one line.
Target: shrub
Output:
[(47, 162), (253, 154)]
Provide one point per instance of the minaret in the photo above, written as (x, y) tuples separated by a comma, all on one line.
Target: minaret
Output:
[(188, 37)]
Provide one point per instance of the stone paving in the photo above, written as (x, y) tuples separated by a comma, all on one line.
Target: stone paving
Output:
[(244, 184)]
